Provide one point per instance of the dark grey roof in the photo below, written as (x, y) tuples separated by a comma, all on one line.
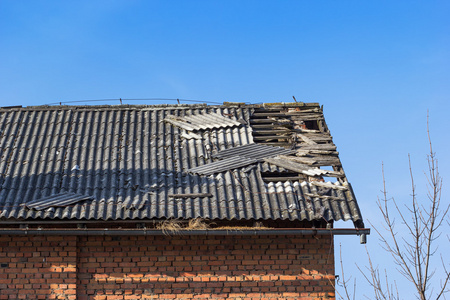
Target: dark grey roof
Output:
[(129, 162)]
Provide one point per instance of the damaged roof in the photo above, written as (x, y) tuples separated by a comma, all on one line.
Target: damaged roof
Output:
[(225, 162)]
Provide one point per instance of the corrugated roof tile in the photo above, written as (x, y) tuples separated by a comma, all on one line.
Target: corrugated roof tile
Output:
[(60, 200), (201, 121)]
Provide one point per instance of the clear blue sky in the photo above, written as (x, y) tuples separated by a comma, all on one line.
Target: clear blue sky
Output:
[(376, 66)]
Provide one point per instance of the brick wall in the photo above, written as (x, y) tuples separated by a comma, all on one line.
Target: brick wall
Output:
[(38, 267), (163, 267)]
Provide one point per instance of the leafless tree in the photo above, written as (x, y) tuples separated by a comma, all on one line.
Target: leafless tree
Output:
[(343, 282), (413, 253), (416, 252)]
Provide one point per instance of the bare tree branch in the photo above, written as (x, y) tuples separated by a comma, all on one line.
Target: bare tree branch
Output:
[(413, 253)]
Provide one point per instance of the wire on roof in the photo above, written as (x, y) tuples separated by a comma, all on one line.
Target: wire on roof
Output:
[(121, 100)]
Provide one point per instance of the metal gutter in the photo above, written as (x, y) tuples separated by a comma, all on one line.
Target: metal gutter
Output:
[(80, 221), (211, 232)]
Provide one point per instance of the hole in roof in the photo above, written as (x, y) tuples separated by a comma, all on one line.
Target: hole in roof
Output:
[(311, 125), (282, 176), (331, 179), (271, 127), (328, 178), (329, 168)]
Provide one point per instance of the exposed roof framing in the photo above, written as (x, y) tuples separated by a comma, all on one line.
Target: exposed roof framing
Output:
[(300, 128)]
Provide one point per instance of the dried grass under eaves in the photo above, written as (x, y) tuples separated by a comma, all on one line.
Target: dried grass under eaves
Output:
[(175, 227)]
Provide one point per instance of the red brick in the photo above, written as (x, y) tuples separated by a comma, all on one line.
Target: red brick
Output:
[(183, 267)]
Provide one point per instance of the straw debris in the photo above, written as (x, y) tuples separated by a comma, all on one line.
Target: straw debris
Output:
[(170, 227), (175, 227), (197, 224)]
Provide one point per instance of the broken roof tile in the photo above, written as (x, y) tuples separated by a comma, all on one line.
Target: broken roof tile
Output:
[(255, 151), (223, 165), (237, 157), (59, 200), (201, 121)]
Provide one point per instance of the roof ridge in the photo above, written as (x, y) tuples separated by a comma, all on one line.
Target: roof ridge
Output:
[(157, 106)]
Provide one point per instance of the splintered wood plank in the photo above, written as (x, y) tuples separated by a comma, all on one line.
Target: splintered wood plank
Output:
[(315, 115), (306, 118), (334, 174), (319, 137), (287, 164), (318, 147), (269, 114), (326, 157), (252, 121), (271, 126), (316, 152), (306, 139), (307, 130), (301, 160), (270, 137), (304, 111), (329, 185), (324, 197), (283, 178), (272, 131), (279, 144), (312, 160)]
